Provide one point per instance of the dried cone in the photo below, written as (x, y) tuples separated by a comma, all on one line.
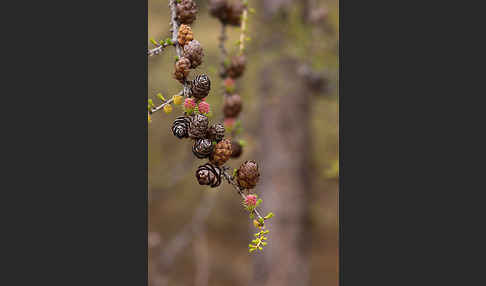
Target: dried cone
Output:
[(221, 153), (236, 149), (180, 127), (185, 35), (186, 11), (248, 175), (219, 9), (232, 105), (237, 66), (194, 52), (216, 132), (234, 12), (182, 67), (208, 174), (202, 148), (198, 126), (200, 86), (227, 13)]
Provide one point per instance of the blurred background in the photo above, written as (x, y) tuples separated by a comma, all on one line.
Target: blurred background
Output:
[(199, 236)]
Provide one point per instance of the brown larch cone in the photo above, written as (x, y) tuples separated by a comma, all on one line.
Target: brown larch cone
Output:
[(186, 11), (236, 149), (247, 175), (198, 126), (182, 67), (232, 105), (200, 86), (219, 9), (235, 10), (202, 148), (216, 132), (221, 152), (180, 127), (194, 52), (208, 174), (237, 66), (227, 13), (184, 35)]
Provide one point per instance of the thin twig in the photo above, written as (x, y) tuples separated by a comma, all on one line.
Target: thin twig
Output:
[(175, 30), (222, 40), (235, 186), (174, 26), (244, 19), (157, 108), (224, 54), (157, 50)]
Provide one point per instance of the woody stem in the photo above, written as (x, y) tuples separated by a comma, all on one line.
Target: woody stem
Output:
[(235, 186)]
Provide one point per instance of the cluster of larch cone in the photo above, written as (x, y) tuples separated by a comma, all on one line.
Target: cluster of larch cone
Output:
[(209, 140)]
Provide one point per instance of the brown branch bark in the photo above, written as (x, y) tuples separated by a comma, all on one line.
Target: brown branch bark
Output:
[(157, 50)]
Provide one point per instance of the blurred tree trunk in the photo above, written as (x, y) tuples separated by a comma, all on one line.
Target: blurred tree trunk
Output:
[(285, 139)]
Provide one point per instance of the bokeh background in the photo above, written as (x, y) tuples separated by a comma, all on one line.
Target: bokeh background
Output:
[(199, 236)]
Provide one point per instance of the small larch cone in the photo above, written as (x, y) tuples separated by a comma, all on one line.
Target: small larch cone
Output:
[(216, 132), (237, 66), (208, 174), (232, 105), (221, 152), (186, 11), (227, 13), (200, 86), (247, 175), (202, 148), (185, 35), (234, 12), (180, 127), (236, 149), (194, 52), (219, 9), (182, 67), (198, 127)]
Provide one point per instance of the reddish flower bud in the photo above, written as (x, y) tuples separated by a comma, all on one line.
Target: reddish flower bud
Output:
[(250, 200), (189, 103), (203, 107), (229, 122), (229, 84)]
